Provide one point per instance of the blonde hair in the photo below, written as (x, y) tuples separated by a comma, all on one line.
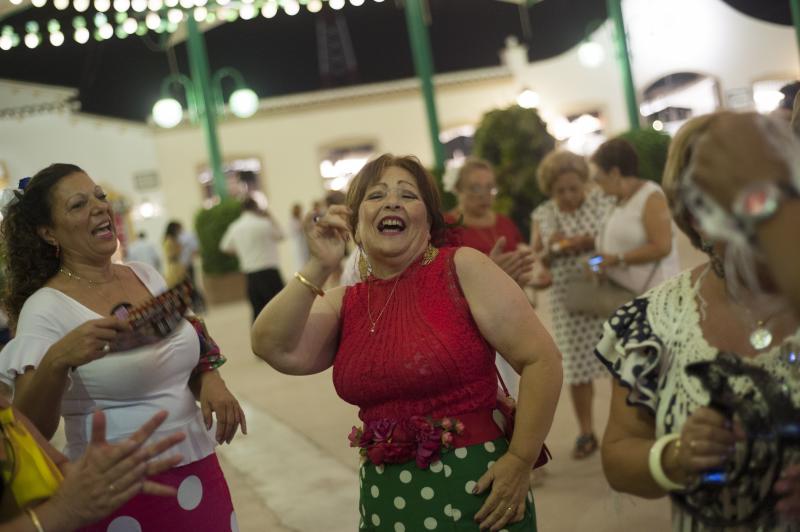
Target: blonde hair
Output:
[(472, 163), (678, 159), (557, 163)]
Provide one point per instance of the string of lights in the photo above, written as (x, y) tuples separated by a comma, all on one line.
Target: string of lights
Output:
[(68, 104), (123, 18)]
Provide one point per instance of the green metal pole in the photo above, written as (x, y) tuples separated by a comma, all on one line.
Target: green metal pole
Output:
[(423, 64), (795, 5), (621, 37), (204, 100)]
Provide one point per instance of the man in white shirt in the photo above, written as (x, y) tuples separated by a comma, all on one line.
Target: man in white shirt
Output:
[(253, 238), (142, 250)]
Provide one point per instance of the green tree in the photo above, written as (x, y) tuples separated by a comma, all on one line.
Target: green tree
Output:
[(651, 146), (210, 225), (515, 140)]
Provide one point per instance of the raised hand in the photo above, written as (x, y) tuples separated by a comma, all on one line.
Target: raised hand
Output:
[(326, 235), (108, 475)]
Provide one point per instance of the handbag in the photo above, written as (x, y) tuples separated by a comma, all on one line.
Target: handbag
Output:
[(507, 408), (600, 296)]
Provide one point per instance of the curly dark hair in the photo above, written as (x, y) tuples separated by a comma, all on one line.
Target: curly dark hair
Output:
[(371, 173), (29, 260)]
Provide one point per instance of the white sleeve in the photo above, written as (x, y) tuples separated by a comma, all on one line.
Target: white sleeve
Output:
[(37, 330), (226, 243)]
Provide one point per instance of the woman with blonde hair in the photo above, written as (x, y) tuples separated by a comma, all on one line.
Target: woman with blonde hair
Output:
[(662, 434), (564, 229)]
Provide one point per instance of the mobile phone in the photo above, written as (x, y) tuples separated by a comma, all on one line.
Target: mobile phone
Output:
[(595, 262)]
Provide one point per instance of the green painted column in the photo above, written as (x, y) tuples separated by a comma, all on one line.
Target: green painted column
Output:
[(423, 64), (614, 8), (204, 100), (795, 5)]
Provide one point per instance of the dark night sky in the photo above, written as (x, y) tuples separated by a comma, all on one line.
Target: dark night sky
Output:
[(122, 78)]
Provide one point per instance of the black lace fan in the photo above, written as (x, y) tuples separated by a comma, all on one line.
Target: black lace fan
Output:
[(741, 493)]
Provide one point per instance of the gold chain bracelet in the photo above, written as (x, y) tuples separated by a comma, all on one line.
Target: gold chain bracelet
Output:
[(316, 290)]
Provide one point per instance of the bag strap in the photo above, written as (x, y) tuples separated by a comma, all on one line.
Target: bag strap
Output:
[(649, 278)]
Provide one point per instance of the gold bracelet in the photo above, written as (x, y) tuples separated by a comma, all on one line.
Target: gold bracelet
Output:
[(34, 519), (316, 290)]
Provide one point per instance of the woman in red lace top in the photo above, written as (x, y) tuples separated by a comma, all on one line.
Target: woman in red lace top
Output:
[(413, 346)]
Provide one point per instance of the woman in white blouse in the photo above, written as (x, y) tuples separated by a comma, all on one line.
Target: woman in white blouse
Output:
[(661, 433), (70, 357)]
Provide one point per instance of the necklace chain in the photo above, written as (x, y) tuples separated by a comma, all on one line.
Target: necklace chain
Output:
[(77, 277), (374, 323)]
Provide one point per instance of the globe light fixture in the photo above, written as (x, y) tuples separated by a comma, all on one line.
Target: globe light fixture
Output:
[(291, 7), (247, 12), (152, 20), (269, 10), (528, 99), (336, 4), (106, 31), (82, 35), (591, 54), (57, 38), (81, 5), (243, 103), (314, 6), (167, 113), (102, 5), (61, 5), (32, 40)]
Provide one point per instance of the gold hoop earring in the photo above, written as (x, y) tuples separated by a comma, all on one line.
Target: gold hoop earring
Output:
[(430, 253)]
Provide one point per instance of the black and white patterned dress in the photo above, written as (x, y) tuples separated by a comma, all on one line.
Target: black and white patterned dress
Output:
[(576, 334), (647, 345)]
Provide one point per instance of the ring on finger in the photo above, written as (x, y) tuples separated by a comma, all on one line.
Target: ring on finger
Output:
[(106, 347), (112, 488), (510, 509), (315, 218)]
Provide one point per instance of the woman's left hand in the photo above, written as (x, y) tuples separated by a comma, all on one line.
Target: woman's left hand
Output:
[(215, 397), (510, 482), (788, 488)]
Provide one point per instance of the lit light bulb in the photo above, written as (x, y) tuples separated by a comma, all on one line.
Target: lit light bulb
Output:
[(175, 15), (102, 5), (200, 3), (122, 5), (16, 2), (314, 6), (82, 35), (200, 14), (6, 42), (247, 11), (140, 6), (106, 31), (56, 38), (155, 5), (291, 7), (81, 5), (38, 3), (243, 103), (186, 4), (61, 5), (357, 2), (658, 125), (528, 99), (130, 26), (152, 20), (591, 54), (167, 113), (336, 4), (32, 40), (269, 10)]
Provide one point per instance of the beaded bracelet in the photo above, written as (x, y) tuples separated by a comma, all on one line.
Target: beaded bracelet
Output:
[(656, 468)]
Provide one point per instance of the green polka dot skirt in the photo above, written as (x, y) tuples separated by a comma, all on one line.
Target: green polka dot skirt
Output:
[(404, 498)]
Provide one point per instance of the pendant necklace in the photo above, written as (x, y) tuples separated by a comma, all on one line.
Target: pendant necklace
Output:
[(374, 323), (91, 283)]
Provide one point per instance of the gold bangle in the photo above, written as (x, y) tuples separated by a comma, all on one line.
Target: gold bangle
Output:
[(316, 290), (34, 519)]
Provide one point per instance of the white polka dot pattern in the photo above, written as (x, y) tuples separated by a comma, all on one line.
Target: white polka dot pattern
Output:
[(399, 503), (124, 523), (190, 493), (405, 476), (426, 493), (430, 523)]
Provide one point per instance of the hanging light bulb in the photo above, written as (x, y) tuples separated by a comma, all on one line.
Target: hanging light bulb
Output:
[(106, 31), (314, 6), (16, 2), (6, 42), (336, 4), (243, 103), (102, 5), (167, 112), (247, 11), (57, 38), (82, 35), (175, 16), (155, 5), (152, 21), (269, 10), (186, 4), (121, 6), (140, 6), (170, 3), (200, 3), (80, 5), (61, 5), (291, 7), (38, 3), (130, 26), (357, 2), (32, 40), (200, 14)]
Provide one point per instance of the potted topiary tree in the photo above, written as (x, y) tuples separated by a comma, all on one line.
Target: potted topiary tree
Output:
[(222, 279), (515, 140), (651, 146)]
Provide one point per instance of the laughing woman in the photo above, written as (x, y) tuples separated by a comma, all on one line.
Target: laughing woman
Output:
[(413, 346)]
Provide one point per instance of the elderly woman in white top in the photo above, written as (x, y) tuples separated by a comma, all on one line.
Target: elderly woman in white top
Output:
[(68, 357), (637, 242), (662, 434)]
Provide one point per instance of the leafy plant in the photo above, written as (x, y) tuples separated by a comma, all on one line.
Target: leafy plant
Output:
[(651, 146), (210, 225), (515, 140)]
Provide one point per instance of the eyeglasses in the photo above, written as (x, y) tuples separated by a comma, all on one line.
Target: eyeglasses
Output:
[(480, 190)]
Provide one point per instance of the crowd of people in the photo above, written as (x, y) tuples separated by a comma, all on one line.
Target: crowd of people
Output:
[(423, 318)]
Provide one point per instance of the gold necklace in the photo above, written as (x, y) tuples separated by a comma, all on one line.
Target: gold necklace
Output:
[(374, 323), (93, 284)]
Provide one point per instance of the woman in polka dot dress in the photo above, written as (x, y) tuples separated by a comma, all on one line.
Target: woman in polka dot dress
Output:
[(413, 346), (564, 230), (68, 357)]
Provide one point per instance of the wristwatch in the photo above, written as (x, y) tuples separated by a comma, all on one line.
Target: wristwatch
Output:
[(759, 202)]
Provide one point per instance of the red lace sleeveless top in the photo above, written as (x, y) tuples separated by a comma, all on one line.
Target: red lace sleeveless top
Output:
[(426, 356)]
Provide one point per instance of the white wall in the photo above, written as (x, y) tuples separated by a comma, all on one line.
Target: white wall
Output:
[(111, 151)]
